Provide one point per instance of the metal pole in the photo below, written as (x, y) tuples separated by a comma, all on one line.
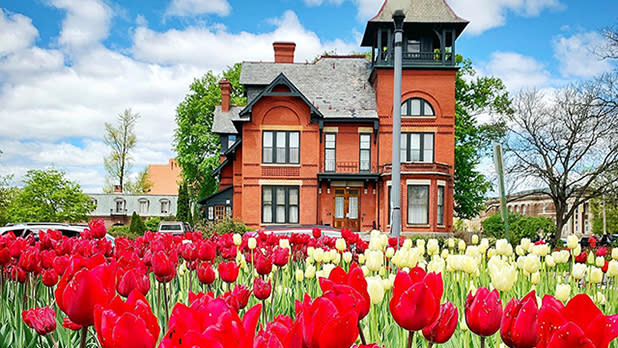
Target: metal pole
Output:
[(398, 18), (500, 171), (604, 217)]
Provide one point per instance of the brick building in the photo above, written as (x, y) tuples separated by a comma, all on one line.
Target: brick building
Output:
[(165, 178), (314, 143)]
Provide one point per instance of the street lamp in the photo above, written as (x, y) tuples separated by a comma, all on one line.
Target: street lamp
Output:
[(398, 18)]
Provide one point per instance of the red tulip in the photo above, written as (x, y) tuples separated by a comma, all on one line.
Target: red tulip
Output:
[(42, 320), (519, 322), (443, 328), (582, 257), (356, 280), (238, 298), (97, 228), (5, 256), (49, 277), (280, 333), (210, 323), (281, 256), (163, 267), (416, 299), (205, 273), (128, 324), (316, 232), (85, 284), (327, 322), (207, 251), (263, 265), (68, 324), (602, 251), (579, 324), (228, 271), (483, 312), (133, 279), (592, 242), (261, 289)]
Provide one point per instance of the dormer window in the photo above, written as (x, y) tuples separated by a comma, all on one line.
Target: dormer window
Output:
[(416, 107), (165, 206), (120, 206)]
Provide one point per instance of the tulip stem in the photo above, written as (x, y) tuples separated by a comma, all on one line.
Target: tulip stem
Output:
[(410, 338), (82, 343), (360, 332), (430, 344), (167, 315), (482, 342)]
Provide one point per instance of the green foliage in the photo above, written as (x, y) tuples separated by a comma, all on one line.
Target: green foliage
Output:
[(122, 231), (152, 223), (611, 216), (183, 210), (519, 227), (195, 143), (141, 184), (7, 194), (475, 95), (47, 196), (226, 225), (137, 225), (121, 139)]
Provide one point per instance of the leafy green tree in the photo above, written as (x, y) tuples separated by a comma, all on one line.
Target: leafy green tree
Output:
[(47, 196), (152, 223), (183, 210), (7, 194), (196, 145), (611, 216), (137, 225), (121, 139), (141, 184), (474, 96)]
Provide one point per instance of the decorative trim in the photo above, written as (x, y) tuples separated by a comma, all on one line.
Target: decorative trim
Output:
[(280, 127), (441, 183), (365, 130), (418, 182), (416, 129), (330, 129), (274, 182)]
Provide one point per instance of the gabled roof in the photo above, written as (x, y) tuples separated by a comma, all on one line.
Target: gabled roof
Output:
[(223, 122), (215, 195), (269, 91), (338, 87)]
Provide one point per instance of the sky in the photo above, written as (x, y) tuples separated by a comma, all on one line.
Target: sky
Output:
[(69, 66)]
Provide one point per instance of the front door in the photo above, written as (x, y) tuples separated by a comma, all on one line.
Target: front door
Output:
[(347, 208)]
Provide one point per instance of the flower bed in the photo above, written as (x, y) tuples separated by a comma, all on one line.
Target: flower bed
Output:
[(302, 291)]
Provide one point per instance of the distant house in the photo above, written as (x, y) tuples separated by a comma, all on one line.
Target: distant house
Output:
[(117, 208), (538, 203), (314, 143), (165, 178)]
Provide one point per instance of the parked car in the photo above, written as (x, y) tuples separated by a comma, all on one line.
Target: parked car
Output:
[(27, 228), (174, 227)]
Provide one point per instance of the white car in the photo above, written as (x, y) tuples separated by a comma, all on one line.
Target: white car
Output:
[(174, 227), (27, 228)]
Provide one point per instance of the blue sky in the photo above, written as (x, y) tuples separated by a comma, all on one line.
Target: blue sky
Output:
[(68, 66)]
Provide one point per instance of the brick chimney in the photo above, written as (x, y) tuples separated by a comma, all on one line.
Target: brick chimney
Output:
[(117, 189), (226, 91), (284, 52)]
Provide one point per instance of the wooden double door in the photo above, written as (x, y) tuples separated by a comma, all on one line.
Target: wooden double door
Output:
[(347, 208)]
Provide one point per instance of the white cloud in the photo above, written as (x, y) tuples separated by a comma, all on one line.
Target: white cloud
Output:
[(578, 55), (197, 7), (216, 48), (516, 71), (86, 22), (486, 14), (54, 109)]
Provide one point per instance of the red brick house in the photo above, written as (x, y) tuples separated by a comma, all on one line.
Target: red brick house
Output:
[(314, 143)]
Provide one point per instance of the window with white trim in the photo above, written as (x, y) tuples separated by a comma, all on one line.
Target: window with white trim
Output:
[(416, 107), (418, 204), (365, 152), (165, 206), (281, 147), (417, 147), (280, 204), (440, 215), (330, 152)]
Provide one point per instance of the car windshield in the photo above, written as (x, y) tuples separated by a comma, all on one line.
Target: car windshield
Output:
[(170, 228)]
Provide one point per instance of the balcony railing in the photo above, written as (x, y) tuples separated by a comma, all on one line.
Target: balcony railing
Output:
[(417, 58), (350, 167), (426, 167)]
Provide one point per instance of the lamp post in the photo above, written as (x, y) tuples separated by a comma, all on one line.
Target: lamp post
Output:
[(398, 18)]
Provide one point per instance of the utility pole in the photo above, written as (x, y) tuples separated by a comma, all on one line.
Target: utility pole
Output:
[(500, 171), (398, 18)]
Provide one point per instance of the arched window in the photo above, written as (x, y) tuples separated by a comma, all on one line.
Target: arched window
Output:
[(416, 107), (144, 206)]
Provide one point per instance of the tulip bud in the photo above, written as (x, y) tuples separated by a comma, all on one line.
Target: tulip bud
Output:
[(310, 251), (572, 242), (579, 271), (347, 257), (532, 263), (600, 261), (375, 290), (407, 244), (577, 250), (310, 272), (252, 243), (340, 244), (337, 259), (310, 260), (535, 278), (519, 250), (461, 246), (615, 254), (549, 261), (444, 253), (432, 247), (563, 292), (284, 243), (300, 276), (596, 275), (390, 252), (237, 238), (420, 243), (365, 270), (475, 239), (451, 243), (318, 255), (612, 268), (599, 298)]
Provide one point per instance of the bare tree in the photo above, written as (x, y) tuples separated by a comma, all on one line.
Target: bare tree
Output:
[(121, 139), (610, 49), (568, 141)]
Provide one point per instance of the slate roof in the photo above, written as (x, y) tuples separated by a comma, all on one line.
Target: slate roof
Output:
[(418, 11), (223, 122)]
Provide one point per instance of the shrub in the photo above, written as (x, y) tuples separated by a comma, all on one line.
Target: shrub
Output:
[(121, 231), (152, 223), (226, 225), (520, 227), (137, 226)]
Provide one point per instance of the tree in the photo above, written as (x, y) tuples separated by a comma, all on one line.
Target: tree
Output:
[(137, 226), (7, 194), (475, 96), (183, 210), (121, 139), (142, 183), (196, 145), (567, 141), (47, 196), (611, 215)]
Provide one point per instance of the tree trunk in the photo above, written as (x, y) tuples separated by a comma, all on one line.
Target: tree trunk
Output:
[(560, 221)]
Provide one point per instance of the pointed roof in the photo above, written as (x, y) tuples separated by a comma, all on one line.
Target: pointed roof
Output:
[(417, 12)]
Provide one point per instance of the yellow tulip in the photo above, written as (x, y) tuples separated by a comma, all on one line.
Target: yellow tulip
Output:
[(563, 292)]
